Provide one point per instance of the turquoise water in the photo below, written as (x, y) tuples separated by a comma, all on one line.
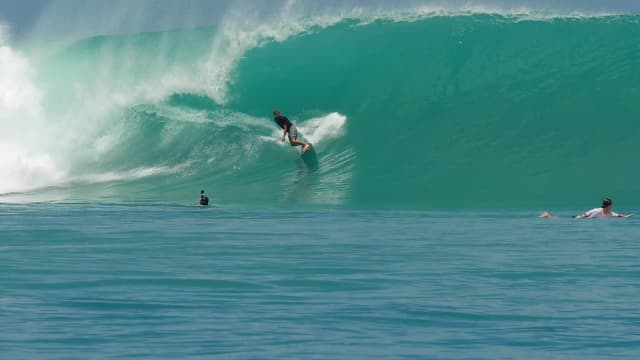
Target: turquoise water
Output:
[(139, 281), (456, 111), (439, 138)]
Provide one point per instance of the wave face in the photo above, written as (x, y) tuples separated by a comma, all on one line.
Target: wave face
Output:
[(457, 111)]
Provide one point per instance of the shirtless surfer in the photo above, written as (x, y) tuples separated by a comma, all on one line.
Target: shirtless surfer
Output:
[(290, 129)]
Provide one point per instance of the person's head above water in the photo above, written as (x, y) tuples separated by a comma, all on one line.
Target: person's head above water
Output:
[(606, 203), (204, 200), (276, 112)]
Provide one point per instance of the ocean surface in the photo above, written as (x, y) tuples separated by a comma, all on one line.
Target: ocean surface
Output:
[(413, 232), (82, 281)]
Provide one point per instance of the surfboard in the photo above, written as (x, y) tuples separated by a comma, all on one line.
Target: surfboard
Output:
[(302, 152), (310, 158)]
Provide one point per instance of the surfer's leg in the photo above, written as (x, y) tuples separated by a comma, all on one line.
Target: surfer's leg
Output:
[(295, 142), (305, 145), (293, 139)]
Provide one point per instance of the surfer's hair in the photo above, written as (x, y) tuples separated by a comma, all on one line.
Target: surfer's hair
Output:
[(606, 203), (276, 111)]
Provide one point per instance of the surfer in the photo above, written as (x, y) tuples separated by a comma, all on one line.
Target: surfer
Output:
[(290, 129), (604, 211), (204, 200)]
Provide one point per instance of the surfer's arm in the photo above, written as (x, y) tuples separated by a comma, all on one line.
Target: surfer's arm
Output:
[(596, 212), (286, 130)]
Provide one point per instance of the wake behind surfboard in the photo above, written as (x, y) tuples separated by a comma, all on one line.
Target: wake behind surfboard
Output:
[(310, 158)]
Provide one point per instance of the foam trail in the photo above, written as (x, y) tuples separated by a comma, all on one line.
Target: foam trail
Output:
[(324, 128), (130, 175)]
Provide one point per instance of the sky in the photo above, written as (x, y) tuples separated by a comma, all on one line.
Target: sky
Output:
[(25, 17), (29, 17)]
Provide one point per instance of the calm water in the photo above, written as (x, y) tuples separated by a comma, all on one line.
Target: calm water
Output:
[(137, 281)]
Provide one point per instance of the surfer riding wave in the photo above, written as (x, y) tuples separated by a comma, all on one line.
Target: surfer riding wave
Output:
[(291, 130)]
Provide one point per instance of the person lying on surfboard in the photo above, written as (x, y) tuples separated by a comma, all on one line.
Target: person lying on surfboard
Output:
[(290, 129), (604, 211)]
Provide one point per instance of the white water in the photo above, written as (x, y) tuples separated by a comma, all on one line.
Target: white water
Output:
[(25, 163)]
